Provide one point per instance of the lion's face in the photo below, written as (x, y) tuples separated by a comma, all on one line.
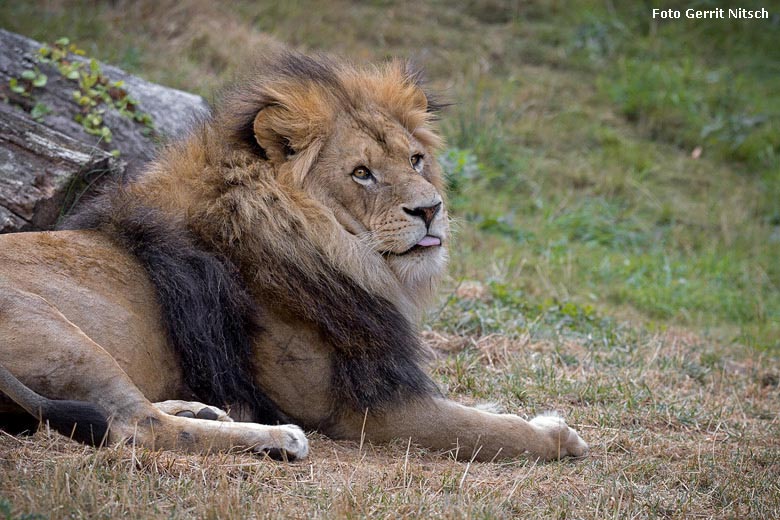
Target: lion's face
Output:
[(383, 186), (362, 143)]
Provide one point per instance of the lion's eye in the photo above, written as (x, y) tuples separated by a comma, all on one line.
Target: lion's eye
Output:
[(362, 175), (417, 162)]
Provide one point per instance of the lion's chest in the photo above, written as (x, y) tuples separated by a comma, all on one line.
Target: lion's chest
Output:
[(293, 366)]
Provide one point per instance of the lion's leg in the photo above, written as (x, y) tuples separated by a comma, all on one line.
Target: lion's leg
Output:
[(43, 351), (473, 433)]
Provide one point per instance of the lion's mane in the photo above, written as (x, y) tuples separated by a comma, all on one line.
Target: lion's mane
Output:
[(225, 229)]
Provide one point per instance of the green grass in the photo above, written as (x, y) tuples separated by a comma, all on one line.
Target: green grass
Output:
[(615, 185), (604, 184)]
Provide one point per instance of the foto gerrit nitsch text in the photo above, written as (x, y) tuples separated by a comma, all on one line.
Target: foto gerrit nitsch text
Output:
[(715, 14)]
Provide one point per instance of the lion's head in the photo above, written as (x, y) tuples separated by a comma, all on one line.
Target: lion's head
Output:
[(362, 144)]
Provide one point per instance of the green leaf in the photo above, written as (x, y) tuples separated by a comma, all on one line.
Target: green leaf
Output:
[(73, 74), (39, 111), (13, 83), (40, 80), (88, 81), (28, 74), (63, 42)]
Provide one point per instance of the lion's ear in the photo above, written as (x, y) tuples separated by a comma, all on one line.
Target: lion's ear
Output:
[(267, 128)]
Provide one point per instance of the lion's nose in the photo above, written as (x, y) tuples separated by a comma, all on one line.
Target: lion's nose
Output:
[(426, 213)]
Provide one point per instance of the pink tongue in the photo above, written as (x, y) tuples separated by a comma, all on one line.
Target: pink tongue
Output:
[(428, 240)]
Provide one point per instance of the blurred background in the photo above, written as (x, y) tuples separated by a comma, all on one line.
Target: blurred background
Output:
[(606, 169)]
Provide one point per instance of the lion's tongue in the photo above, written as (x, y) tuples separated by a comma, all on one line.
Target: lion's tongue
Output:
[(428, 240)]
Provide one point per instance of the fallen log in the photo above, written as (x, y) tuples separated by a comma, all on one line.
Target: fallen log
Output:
[(45, 153)]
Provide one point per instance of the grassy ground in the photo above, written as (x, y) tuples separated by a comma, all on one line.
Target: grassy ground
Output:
[(616, 185), (678, 428)]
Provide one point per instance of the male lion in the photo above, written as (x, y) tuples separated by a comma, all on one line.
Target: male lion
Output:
[(274, 263)]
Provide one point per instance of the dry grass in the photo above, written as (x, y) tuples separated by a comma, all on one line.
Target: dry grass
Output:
[(677, 429)]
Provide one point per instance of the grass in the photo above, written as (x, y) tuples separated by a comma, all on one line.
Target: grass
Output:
[(678, 428), (616, 188)]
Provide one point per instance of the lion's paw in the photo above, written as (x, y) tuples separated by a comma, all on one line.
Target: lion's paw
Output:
[(287, 442), (193, 410), (565, 442)]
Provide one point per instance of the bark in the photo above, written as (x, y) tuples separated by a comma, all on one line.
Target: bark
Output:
[(43, 172), (40, 161)]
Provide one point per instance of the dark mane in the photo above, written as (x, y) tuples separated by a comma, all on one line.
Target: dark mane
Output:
[(209, 316), (212, 320), (378, 356)]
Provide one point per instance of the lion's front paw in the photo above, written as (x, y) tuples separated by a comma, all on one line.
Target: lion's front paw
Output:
[(562, 441), (192, 410), (287, 442)]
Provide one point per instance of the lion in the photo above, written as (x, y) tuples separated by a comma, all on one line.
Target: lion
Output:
[(274, 264)]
